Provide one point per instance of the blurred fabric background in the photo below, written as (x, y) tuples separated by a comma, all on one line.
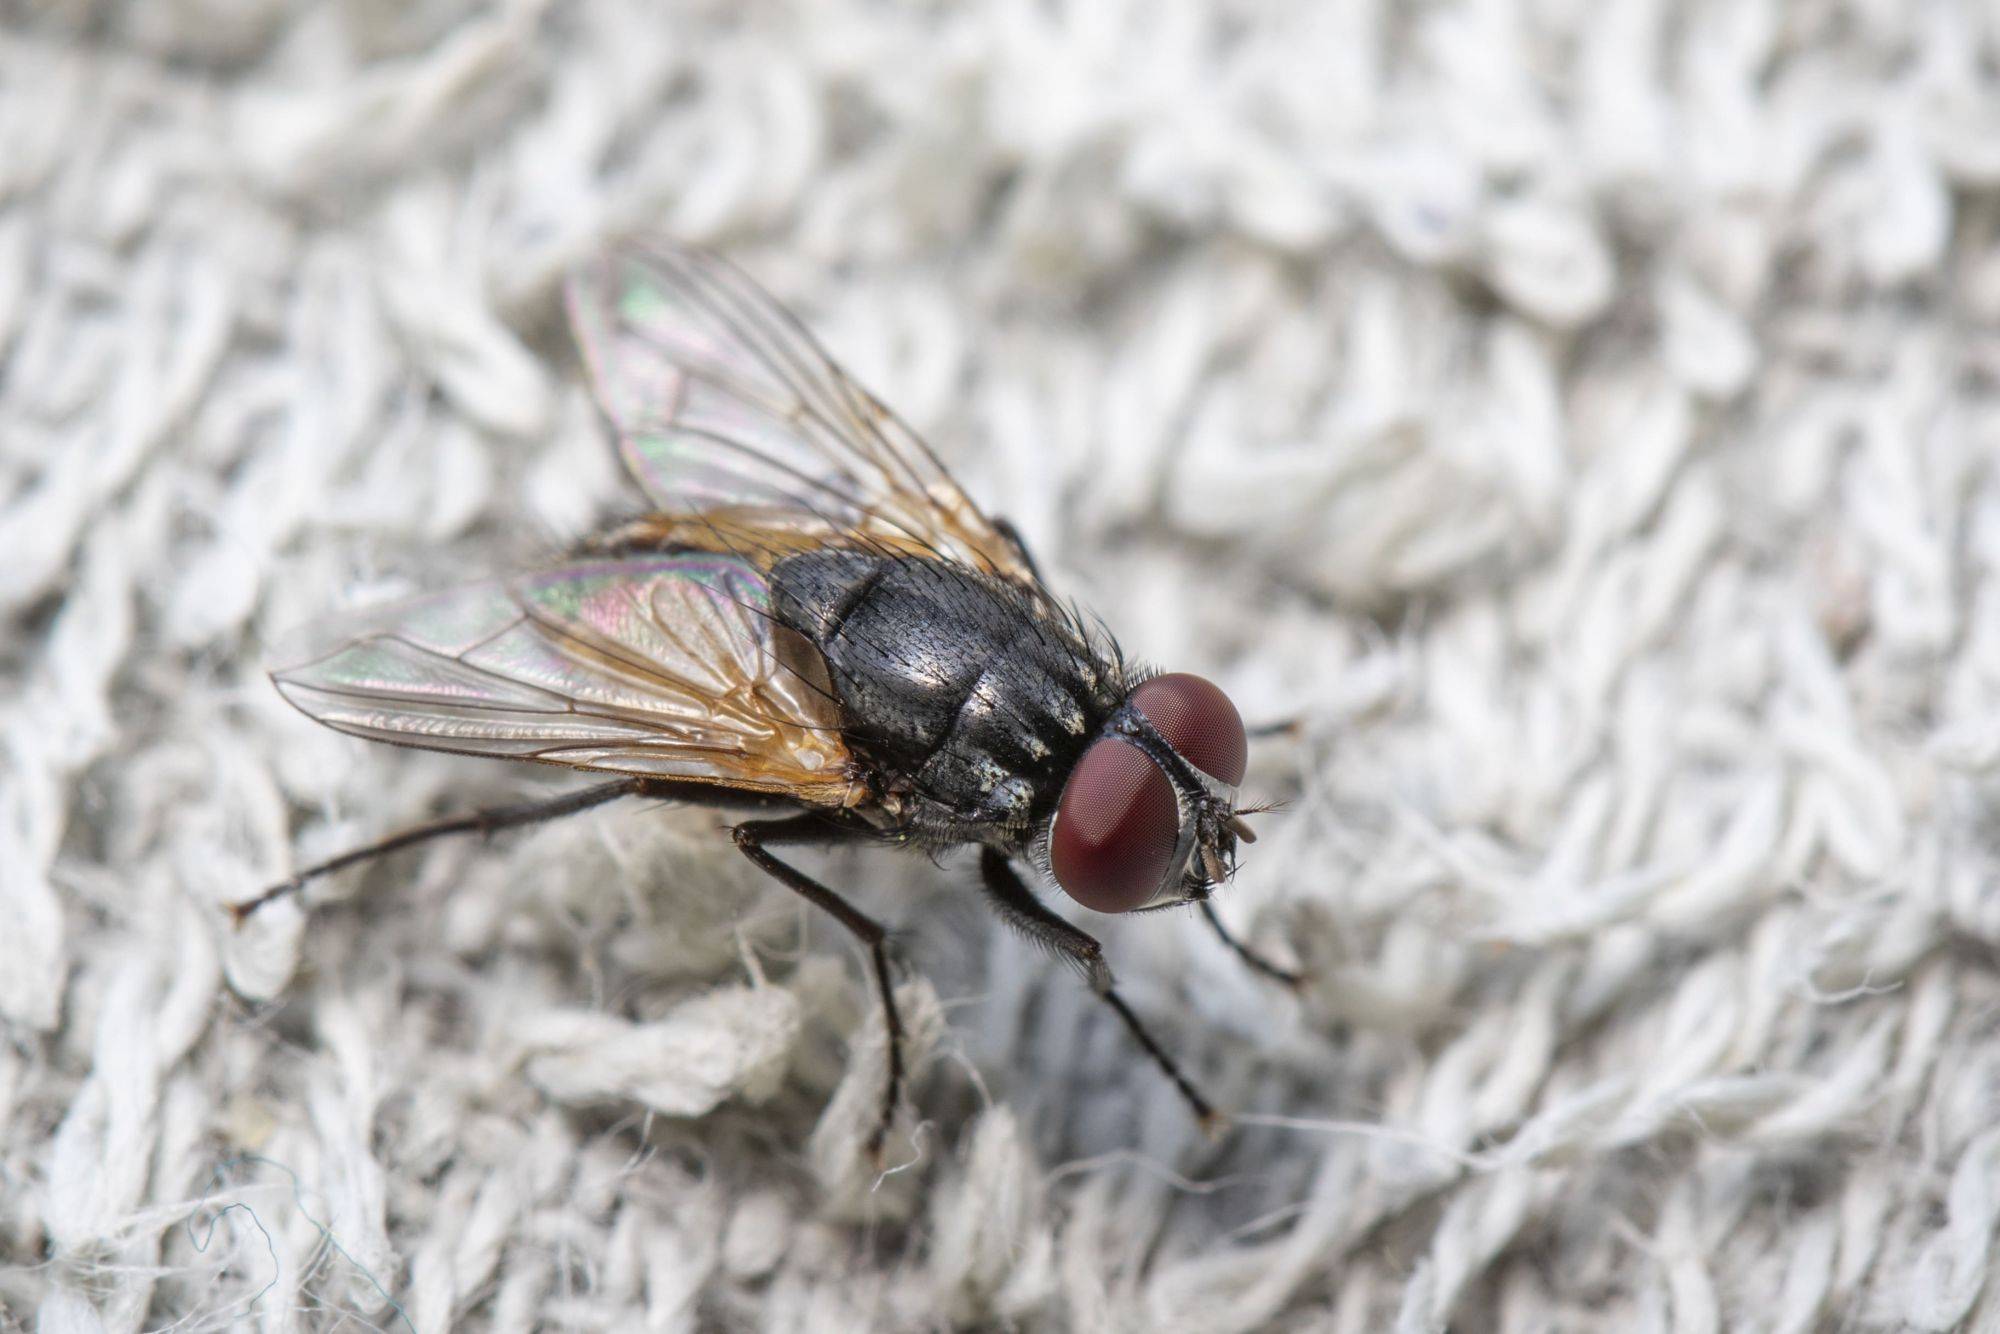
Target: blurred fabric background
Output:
[(1580, 415)]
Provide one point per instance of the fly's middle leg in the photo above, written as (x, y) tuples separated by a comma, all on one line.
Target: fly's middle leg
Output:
[(754, 838), (1023, 911)]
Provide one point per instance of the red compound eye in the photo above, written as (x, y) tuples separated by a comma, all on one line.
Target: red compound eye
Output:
[(1197, 720), (1115, 829)]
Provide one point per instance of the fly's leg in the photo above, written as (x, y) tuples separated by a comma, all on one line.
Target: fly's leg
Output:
[(1283, 727), (1023, 911), (1256, 961), (1020, 909), (496, 818), (755, 837), (488, 821)]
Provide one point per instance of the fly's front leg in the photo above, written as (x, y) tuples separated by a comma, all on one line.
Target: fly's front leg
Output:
[(1023, 911), (754, 837), (1296, 981), (1020, 909)]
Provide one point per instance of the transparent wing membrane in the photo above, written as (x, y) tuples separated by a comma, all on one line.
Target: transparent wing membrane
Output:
[(727, 408), (664, 667)]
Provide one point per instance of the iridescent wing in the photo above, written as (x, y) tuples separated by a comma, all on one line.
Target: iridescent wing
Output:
[(728, 410), (666, 667)]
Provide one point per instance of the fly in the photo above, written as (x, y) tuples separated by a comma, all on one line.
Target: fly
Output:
[(816, 627)]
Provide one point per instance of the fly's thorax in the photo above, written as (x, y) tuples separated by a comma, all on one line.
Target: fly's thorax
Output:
[(953, 681), (815, 592)]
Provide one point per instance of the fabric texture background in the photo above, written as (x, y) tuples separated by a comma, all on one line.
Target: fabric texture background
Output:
[(1580, 415)]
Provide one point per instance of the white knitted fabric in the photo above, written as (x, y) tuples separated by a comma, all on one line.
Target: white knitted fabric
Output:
[(1582, 414)]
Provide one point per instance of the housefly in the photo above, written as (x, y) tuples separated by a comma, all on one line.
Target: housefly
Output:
[(813, 626)]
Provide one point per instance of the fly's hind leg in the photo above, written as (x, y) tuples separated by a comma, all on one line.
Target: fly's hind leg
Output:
[(489, 821), (755, 838), (494, 819), (1023, 911)]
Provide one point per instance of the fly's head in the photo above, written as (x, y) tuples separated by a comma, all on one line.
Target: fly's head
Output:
[(1148, 818)]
